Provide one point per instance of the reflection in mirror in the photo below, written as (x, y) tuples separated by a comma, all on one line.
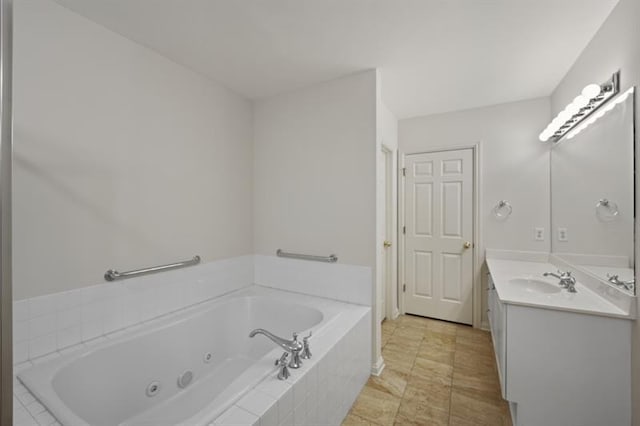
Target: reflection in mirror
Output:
[(592, 197)]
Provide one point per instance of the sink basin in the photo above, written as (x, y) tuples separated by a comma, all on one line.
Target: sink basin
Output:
[(533, 285)]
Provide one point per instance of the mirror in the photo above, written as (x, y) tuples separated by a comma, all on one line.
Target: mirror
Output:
[(592, 197)]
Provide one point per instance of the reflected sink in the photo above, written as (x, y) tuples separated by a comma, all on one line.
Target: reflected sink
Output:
[(533, 285)]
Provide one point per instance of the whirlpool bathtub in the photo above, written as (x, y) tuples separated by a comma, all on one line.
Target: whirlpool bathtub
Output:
[(184, 368)]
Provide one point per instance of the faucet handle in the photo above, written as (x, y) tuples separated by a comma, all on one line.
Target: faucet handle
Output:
[(283, 374), (306, 352), (283, 359)]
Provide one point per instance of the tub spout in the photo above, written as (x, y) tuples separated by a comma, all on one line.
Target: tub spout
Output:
[(292, 346)]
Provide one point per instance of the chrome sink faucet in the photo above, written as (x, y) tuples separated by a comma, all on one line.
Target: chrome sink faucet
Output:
[(294, 347), (628, 285), (566, 280)]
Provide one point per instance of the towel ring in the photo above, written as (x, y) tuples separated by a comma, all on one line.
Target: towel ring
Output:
[(606, 210), (502, 210)]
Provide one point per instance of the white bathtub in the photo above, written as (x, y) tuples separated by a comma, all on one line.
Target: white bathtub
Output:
[(106, 384)]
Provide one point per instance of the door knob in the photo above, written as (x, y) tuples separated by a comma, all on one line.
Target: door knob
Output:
[(467, 244), (386, 244)]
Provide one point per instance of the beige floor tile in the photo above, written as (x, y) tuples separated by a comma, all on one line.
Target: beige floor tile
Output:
[(437, 373), (436, 353), (404, 420), (468, 359), (478, 382), (410, 332), (353, 420), (440, 338), (410, 320), (442, 327), (470, 333), (425, 403), (432, 371), (407, 343), (433, 393), (375, 406), (390, 381), (467, 408)]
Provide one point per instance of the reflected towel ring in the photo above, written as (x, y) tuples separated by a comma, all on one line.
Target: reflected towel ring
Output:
[(606, 210), (502, 210)]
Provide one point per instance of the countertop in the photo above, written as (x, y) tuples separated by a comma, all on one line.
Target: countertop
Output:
[(584, 300)]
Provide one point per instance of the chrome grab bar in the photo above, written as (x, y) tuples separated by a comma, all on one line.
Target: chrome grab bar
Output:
[(332, 258), (113, 275)]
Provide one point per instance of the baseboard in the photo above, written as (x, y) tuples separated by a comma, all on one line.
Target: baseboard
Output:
[(378, 366), (485, 326)]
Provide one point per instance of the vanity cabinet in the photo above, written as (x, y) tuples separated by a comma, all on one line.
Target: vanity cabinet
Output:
[(496, 315), (559, 367)]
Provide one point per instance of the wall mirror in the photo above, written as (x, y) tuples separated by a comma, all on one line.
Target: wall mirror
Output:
[(592, 196)]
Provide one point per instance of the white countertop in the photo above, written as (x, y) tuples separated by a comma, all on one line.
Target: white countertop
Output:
[(583, 301)]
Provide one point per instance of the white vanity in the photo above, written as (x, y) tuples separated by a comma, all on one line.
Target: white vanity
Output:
[(563, 358)]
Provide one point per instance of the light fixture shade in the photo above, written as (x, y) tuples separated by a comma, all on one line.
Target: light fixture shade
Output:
[(591, 91), (565, 115), (581, 101)]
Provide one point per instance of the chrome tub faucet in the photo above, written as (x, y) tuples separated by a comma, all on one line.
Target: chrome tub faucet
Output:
[(293, 347)]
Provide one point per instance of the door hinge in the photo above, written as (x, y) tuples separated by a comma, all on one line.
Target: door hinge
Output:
[(404, 288), (404, 171), (404, 229)]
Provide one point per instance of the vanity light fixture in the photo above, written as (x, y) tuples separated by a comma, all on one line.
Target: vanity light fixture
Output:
[(592, 119), (580, 112)]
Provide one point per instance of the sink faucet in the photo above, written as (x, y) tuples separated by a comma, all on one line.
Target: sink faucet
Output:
[(294, 347), (566, 280), (628, 285)]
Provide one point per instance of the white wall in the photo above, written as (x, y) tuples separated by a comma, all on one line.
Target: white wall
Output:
[(122, 158), (514, 165), (315, 172), (615, 46)]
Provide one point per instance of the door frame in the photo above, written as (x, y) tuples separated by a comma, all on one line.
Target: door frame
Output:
[(390, 306), (6, 153), (478, 246)]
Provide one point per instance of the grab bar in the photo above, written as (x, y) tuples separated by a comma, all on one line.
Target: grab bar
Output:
[(113, 275), (332, 258)]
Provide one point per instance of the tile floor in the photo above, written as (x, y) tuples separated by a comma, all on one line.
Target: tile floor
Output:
[(437, 373)]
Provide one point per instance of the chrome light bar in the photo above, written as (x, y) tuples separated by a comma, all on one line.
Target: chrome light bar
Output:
[(582, 107)]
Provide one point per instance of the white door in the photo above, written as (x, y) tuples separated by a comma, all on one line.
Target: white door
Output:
[(438, 236)]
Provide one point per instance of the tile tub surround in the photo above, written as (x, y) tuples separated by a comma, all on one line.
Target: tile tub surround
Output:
[(322, 391), (46, 324), (346, 283), (340, 360)]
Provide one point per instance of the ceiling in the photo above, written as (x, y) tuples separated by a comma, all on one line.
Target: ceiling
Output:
[(433, 55)]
